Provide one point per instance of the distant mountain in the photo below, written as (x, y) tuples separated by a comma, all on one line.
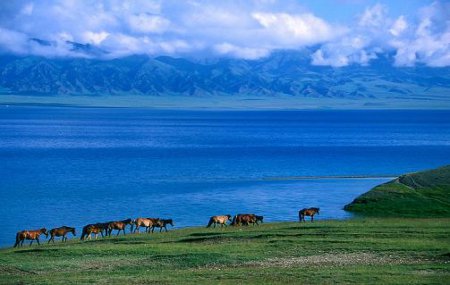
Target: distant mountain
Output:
[(287, 73)]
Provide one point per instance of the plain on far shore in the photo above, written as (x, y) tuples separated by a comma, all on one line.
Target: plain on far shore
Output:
[(224, 102)]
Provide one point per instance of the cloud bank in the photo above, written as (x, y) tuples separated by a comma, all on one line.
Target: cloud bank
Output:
[(243, 29)]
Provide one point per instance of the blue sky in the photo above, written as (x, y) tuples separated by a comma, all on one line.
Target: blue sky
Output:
[(340, 32)]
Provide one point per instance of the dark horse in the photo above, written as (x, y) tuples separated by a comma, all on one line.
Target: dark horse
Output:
[(244, 219), (307, 212), (162, 224), (95, 229), (258, 219), (32, 235), (61, 232)]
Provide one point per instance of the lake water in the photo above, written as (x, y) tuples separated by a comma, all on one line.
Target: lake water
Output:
[(74, 166)]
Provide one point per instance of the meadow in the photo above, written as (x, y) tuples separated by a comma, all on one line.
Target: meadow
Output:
[(365, 250)]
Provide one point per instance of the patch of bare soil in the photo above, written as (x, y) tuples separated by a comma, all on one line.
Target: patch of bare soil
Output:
[(338, 259)]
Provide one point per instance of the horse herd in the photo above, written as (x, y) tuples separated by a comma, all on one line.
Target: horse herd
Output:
[(105, 229)]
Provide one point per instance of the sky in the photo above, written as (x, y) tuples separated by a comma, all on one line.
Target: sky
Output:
[(339, 32)]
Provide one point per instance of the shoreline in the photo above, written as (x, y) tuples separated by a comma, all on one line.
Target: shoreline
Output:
[(218, 103), (325, 177)]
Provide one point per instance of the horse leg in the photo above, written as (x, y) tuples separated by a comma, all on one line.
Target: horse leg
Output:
[(312, 218), (37, 239), (118, 232), (31, 242)]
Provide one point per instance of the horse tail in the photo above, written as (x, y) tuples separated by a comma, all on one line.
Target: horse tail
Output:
[(211, 221)]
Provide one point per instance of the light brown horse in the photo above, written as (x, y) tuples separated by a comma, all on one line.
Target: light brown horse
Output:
[(32, 235), (119, 225), (95, 229), (243, 219), (162, 224), (307, 212), (221, 220), (147, 223), (61, 232)]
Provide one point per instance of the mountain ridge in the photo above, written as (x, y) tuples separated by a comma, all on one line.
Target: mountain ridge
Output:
[(287, 73)]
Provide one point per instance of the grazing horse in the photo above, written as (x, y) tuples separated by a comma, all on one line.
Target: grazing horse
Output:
[(307, 212), (258, 219), (147, 223), (244, 219), (162, 224), (119, 225), (221, 220), (32, 235), (61, 232), (94, 229)]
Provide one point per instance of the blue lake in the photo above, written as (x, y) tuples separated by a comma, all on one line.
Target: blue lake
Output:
[(73, 166)]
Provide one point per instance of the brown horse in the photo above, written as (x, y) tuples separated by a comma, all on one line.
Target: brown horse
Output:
[(32, 235), (147, 223), (119, 225), (95, 229), (244, 219), (162, 224), (307, 212), (221, 220), (61, 232)]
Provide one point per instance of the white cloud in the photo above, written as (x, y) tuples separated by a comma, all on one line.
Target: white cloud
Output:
[(95, 38), (13, 41), (145, 23), (235, 28), (430, 42), (399, 26), (374, 17), (296, 29), (241, 52)]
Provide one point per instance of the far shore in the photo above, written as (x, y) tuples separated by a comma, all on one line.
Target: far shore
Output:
[(221, 102)]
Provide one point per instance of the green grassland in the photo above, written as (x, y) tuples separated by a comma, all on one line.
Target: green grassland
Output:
[(371, 250), (410, 246), (425, 193)]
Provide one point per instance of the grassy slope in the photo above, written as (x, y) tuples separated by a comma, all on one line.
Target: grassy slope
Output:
[(425, 193), (395, 251)]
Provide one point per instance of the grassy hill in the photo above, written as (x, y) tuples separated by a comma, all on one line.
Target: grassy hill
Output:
[(421, 194), (360, 251)]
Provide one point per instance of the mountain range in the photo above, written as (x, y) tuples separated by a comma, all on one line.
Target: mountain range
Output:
[(284, 73)]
